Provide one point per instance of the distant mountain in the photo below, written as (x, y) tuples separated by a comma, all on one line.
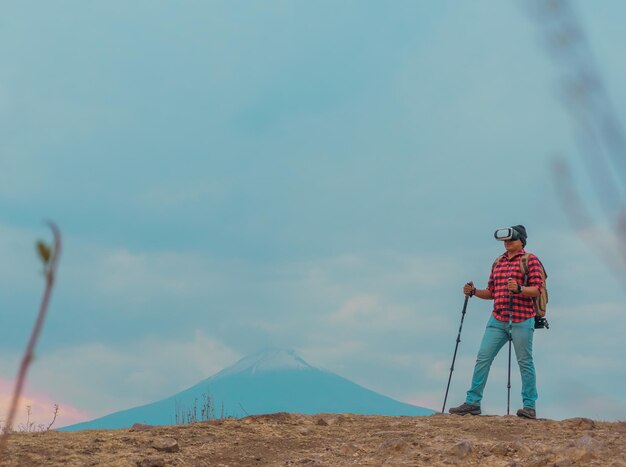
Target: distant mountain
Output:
[(273, 380)]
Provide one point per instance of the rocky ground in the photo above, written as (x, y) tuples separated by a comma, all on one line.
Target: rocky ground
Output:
[(333, 440)]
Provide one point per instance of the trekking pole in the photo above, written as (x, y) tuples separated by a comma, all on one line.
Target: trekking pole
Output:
[(508, 384), (456, 347)]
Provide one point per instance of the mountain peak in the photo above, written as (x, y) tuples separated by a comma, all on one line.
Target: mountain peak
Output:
[(266, 360), (269, 381)]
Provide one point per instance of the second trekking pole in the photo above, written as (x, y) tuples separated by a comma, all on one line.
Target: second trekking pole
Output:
[(508, 384), (456, 347)]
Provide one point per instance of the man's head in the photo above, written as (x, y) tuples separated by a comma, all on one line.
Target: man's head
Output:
[(511, 235), (521, 231)]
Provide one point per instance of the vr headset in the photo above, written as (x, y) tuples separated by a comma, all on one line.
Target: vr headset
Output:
[(508, 233)]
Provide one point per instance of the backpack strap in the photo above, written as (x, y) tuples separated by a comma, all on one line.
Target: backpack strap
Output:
[(495, 262), (523, 264)]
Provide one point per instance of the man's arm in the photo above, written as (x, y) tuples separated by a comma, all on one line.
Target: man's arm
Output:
[(535, 280), (530, 291), (470, 290), (515, 288), (484, 294)]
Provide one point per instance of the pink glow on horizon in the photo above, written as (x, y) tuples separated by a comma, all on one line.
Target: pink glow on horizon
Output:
[(428, 402), (42, 408)]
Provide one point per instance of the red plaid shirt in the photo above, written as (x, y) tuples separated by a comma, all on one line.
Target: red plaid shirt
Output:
[(523, 307)]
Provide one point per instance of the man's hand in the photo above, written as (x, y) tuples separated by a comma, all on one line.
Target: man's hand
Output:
[(469, 289), (512, 285)]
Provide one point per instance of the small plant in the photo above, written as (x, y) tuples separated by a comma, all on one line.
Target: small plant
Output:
[(187, 416), (29, 426), (49, 257), (56, 412)]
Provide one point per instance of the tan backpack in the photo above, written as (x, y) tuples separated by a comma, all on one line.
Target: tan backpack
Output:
[(541, 302)]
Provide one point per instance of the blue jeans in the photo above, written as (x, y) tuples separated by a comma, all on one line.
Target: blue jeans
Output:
[(496, 335)]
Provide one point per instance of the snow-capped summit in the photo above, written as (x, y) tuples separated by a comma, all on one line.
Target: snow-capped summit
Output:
[(267, 360)]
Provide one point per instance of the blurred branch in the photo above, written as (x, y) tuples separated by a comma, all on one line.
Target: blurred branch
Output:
[(582, 222), (49, 257), (599, 135)]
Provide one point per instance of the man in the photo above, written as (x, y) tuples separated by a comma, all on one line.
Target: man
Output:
[(506, 278)]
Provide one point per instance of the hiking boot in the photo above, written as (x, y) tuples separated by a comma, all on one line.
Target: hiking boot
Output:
[(527, 412), (464, 409)]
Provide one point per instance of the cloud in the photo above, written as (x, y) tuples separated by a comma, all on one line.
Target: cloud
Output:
[(103, 378), (357, 309), (41, 406), (144, 277), (591, 401), (372, 314), (163, 197), (20, 268)]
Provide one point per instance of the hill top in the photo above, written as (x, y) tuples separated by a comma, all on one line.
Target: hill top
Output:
[(334, 439)]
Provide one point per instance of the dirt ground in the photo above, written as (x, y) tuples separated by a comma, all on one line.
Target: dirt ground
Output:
[(333, 440)]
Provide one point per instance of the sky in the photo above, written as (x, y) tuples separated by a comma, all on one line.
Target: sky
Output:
[(321, 176)]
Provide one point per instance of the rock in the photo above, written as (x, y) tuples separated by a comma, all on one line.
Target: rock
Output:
[(166, 445), (394, 444), (350, 449), (543, 461), (581, 455), (587, 442), (573, 456), (278, 417), (340, 420), (462, 449), (326, 420), (581, 423), (581, 450), (500, 449), (140, 427), (520, 448), (310, 462), (151, 461)]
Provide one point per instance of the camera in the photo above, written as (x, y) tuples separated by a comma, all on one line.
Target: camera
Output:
[(541, 323)]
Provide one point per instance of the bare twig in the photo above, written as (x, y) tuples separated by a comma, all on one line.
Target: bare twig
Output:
[(50, 258)]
